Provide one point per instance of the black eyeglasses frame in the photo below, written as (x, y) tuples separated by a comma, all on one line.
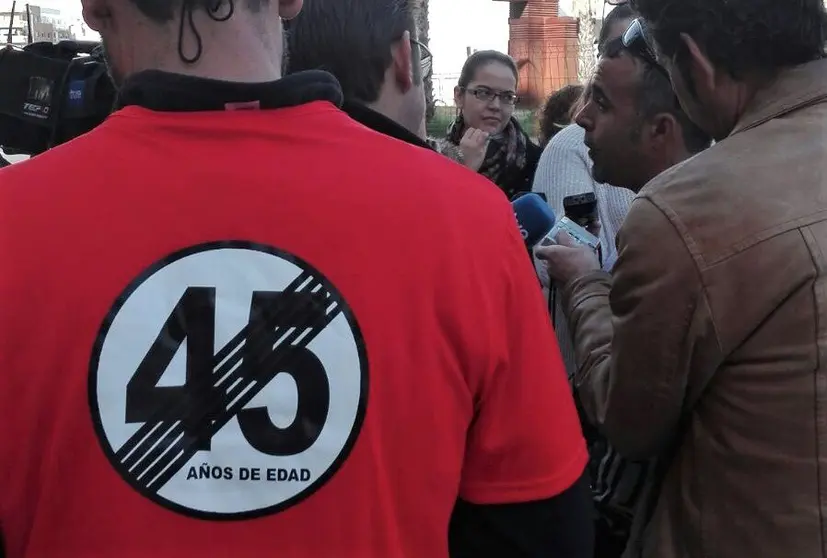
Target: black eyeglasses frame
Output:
[(426, 59)]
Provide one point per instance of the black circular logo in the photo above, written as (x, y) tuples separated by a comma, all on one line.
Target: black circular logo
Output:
[(229, 381)]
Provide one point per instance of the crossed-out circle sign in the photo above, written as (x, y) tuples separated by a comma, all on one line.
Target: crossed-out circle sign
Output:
[(228, 381)]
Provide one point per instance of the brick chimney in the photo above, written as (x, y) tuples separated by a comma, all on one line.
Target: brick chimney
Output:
[(545, 46)]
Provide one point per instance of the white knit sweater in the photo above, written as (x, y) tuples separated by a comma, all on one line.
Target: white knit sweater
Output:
[(565, 169)]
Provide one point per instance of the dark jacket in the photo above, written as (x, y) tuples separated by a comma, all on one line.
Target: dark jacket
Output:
[(519, 181), (382, 124)]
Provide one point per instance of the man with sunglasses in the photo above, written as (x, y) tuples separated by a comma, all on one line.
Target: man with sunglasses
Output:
[(711, 355), (386, 94), (634, 130)]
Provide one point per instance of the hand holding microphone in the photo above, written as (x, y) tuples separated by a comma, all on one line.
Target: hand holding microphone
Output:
[(568, 249)]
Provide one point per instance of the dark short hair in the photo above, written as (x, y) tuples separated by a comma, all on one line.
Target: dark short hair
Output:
[(742, 37), (656, 96), (483, 58), (557, 110), (619, 13), (162, 11), (352, 40)]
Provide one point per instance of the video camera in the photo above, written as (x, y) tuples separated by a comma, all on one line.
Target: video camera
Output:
[(51, 93)]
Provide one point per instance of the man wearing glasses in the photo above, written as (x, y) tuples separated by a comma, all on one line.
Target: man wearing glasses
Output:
[(711, 355), (387, 93), (370, 46)]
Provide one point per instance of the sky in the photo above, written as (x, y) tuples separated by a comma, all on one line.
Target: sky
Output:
[(458, 24), (71, 6), (455, 25)]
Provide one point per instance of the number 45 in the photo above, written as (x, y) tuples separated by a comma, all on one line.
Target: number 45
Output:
[(253, 357)]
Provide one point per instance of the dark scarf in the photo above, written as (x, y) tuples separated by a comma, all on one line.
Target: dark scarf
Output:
[(506, 150)]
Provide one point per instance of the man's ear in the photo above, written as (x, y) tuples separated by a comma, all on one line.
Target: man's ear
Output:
[(401, 52), (698, 64), (288, 9), (96, 14), (662, 129)]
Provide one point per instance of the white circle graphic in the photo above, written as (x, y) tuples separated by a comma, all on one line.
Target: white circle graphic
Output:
[(229, 381)]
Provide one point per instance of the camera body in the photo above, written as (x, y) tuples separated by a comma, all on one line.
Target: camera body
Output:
[(51, 94)]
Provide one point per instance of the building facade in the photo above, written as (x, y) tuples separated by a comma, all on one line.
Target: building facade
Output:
[(545, 44), (47, 24)]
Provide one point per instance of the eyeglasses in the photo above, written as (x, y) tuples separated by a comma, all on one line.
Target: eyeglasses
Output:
[(426, 59), (635, 40), (487, 95)]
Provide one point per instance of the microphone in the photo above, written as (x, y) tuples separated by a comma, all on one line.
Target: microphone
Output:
[(534, 218)]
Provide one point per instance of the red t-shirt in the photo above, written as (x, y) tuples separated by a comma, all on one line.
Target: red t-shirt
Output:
[(228, 333)]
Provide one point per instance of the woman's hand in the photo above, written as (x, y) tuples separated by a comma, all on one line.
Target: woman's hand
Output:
[(473, 146)]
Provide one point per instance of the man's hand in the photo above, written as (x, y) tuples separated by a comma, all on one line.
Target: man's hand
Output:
[(568, 260), (473, 146), (594, 227)]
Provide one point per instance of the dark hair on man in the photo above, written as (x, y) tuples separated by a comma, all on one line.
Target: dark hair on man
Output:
[(656, 96), (352, 40), (619, 13), (742, 37), (162, 11), (483, 58), (557, 111)]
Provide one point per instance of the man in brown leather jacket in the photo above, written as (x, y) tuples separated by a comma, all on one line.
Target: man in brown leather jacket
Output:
[(707, 347)]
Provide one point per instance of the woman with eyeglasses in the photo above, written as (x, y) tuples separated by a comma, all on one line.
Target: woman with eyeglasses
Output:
[(485, 136)]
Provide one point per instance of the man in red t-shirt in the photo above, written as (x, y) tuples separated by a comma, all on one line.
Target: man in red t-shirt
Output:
[(237, 322)]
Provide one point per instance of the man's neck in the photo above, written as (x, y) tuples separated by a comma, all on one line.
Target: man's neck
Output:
[(677, 155), (233, 50), (390, 109)]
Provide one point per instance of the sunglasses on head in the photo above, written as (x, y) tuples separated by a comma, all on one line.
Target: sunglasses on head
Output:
[(635, 40)]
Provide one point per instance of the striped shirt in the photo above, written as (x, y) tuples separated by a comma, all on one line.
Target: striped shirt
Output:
[(565, 169)]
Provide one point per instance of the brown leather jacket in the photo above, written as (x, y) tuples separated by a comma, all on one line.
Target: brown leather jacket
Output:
[(708, 347)]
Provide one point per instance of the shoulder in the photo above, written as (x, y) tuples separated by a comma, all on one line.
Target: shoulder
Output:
[(412, 178), (567, 147), (571, 137), (723, 199), (565, 158)]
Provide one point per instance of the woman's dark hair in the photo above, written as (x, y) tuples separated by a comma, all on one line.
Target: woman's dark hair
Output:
[(741, 37), (483, 58), (557, 111)]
